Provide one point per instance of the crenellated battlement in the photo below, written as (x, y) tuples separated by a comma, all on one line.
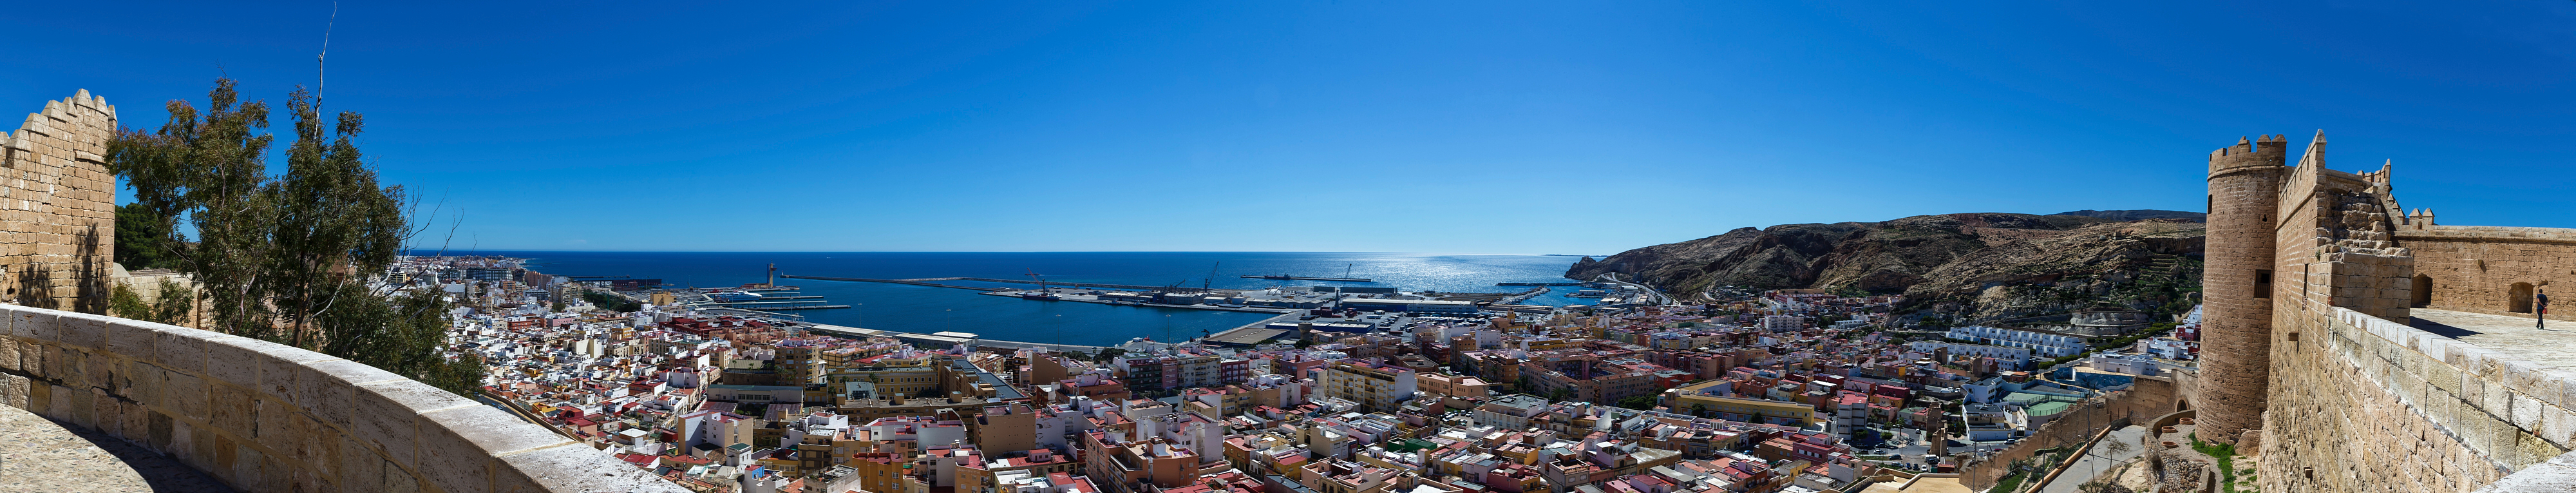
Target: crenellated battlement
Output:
[(2268, 150)]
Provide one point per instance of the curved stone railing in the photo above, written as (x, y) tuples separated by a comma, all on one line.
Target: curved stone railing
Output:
[(262, 416)]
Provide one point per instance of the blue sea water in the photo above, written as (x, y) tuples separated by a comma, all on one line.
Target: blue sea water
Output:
[(927, 309)]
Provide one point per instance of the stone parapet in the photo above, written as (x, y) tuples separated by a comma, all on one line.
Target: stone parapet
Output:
[(260, 416), (2389, 407), (2558, 474)]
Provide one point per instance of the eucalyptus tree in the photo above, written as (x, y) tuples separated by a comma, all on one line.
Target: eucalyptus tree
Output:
[(294, 257)]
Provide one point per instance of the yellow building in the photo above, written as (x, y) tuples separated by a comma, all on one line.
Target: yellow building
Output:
[(1375, 385), (1695, 399), (1454, 385)]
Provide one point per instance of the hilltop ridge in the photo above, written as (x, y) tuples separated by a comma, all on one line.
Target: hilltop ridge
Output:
[(1972, 265)]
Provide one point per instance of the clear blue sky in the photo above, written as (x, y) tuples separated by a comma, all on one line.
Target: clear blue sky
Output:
[(1466, 127)]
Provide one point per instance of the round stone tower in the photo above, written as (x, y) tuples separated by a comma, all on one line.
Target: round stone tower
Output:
[(2236, 327)]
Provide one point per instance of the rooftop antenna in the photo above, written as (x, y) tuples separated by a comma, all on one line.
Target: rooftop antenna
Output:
[(318, 69)]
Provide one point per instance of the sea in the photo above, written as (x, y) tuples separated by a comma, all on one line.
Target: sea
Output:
[(923, 309)]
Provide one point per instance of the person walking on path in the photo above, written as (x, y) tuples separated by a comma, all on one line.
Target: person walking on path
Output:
[(2540, 308)]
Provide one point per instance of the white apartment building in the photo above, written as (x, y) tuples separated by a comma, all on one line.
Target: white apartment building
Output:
[(2001, 353), (2039, 343)]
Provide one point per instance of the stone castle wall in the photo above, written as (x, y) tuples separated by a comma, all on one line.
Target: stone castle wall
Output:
[(2474, 268), (57, 206), (2364, 404), (261, 416), (2356, 400)]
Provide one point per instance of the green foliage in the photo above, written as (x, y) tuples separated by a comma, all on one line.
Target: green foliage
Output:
[(2010, 483), (1641, 403), (611, 301), (2226, 455), (170, 308), (403, 334), (285, 258), (143, 239), (274, 252)]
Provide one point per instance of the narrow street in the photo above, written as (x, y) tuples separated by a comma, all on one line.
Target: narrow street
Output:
[(2098, 460)]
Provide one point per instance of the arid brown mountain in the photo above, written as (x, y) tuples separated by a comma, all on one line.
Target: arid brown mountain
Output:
[(2133, 215), (1975, 265)]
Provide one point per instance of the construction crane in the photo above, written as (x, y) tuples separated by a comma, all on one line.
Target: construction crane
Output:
[(1038, 278), (1210, 279)]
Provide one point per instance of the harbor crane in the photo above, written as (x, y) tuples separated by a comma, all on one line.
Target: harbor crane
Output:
[(1039, 278), (1210, 279)]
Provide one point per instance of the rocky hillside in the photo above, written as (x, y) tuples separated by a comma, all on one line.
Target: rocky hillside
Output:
[(1975, 266), (2133, 215)]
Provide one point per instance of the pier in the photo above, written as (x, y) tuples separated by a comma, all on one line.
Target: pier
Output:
[(1295, 278), (1023, 281), (1522, 296), (1162, 305), (915, 282), (942, 340), (1538, 284)]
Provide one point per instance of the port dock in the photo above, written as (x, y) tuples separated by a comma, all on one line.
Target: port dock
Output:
[(1538, 284), (1297, 278), (915, 282), (1087, 299), (948, 339)]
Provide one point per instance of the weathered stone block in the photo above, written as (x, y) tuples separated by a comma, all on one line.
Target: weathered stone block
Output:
[(13, 391), (97, 370), (2526, 412), (311, 444), (183, 394), (194, 446), (138, 421), (387, 416), (159, 427), (34, 324), (103, 414), (267, 474), (457, 446), (325, 388), (73, 406), (82, 330), (232, 410), (132, 338), (31, 357), (573, 467), (360, 472), (276, 423), (241, 360), (2558, 426), (141, 382), (301, 479), (183, 350), (397, 480)]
